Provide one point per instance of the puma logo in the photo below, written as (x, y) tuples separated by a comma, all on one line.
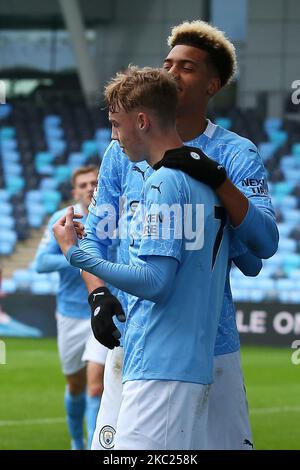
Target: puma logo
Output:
[(136, 168), (248, 443), (99, 293), (157, 187)]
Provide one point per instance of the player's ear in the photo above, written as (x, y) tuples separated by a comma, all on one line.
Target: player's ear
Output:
[(213, 86), (143, 121)]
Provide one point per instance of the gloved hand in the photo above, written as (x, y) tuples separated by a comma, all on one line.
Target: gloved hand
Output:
[(104, 306), (196, 164)]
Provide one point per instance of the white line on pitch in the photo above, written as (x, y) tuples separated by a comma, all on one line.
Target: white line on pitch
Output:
[(277, 409), (28, 422)]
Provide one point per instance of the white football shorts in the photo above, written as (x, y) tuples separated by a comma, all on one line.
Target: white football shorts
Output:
[(162, 415), (94, 351), (228, 416), (72, 335)]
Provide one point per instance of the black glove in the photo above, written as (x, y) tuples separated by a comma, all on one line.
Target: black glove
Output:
[(104, 306), (196, 164)]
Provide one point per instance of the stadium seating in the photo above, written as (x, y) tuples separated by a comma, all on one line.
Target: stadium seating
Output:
[(41, 146)]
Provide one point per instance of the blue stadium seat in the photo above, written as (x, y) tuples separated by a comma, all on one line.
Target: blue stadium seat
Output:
[(284, 285), (292, 175), (14, 184), (288, 202), (45, 170), (291, 262), (51, 200), (102, 146), (239, 295), (12, 169), (11, 156), (48, 183), (296, 149), (5, 110), (267, 150), (52, 120), (7, 132), (104, 133), (42, 287), (54, 133), (272, 124), (33, 196), (90, 147), (275, 262), (7, 222), (278, 137), (288, 162), (43, 159), (4, 195), (35, 214), (292, 215), (283, 188), (287, 297), (267, 271), (295, 275), (8, 145), (57, 146), (76, 160), (287, 245), (6, 248), (8, 236), (35, 221), (8, 286), (6, 208), (62, 173), (285, 228), (22, 279), (225, 122)]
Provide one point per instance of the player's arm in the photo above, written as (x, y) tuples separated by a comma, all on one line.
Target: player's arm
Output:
[(96, 247), (107, 194), (49, 256), (247, 203), (151, 281), (248, 264), (253, 222)]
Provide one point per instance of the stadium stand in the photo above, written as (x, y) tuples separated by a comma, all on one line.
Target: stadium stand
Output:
[(40, 146)]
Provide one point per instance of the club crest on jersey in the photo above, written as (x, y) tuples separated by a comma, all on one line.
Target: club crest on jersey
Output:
[(106, 437), (195, 155)]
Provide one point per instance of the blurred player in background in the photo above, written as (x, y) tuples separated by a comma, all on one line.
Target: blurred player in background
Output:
[(202, 60), (75, 337)]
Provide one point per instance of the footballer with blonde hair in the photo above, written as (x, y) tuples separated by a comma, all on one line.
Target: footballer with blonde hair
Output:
[(202, 61)]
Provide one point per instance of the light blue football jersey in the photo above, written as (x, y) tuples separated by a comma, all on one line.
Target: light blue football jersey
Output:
[(120, 186), (174, 338)]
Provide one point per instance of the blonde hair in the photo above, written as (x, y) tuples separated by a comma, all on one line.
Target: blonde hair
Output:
[(83, 170), (221, 52), (148, 88)]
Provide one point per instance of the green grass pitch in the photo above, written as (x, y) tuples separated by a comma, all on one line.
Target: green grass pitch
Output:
[(32, 388)]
